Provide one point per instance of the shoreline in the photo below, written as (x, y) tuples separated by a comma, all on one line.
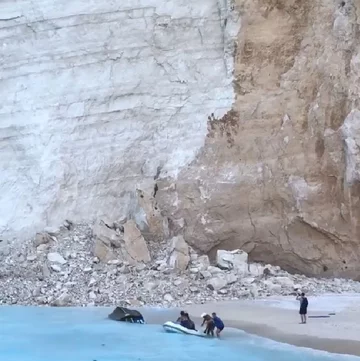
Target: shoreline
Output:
[(339, 333), (276, 319)]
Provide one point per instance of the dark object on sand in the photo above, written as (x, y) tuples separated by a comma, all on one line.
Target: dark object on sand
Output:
[(318, 316), (126, 315)]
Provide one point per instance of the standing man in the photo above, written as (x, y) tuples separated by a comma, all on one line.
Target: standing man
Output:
[(303, 306)]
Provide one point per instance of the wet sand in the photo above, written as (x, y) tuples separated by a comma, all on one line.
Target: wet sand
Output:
[(340, 333)]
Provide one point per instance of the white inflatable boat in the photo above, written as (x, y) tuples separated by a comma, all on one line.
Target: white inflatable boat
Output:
[(176, 328)]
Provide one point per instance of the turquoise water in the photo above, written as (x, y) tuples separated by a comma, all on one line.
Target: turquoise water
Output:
[(70, 334)]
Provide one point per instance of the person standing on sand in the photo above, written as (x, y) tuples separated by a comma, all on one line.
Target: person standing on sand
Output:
[(303, 306)]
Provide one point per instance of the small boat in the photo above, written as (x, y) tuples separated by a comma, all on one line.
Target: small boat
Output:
[(173, 327), (126, 315)]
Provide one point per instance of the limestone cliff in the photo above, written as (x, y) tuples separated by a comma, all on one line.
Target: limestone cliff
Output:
[(242, 118)]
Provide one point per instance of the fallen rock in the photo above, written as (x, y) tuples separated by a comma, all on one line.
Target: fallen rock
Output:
[(228, 260), (56, 258), (52, 231), (55, 268), (179, 253), (4, 249), (31, 257), (63, 300), (256, 269), (203, 262), (42, 238), (153, 225), (110, 237), (168, 297), (214, 270), (135, 245), (46, 271), (231, 278), (216, 283), (205, 274), (284, 282), (114, 262), (102, 252), (42, 248)]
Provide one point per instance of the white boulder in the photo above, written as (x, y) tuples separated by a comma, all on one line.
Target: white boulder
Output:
[(56, 258), (232, 260), (216, 283)]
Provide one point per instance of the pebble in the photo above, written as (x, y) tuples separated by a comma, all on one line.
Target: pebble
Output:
[(55, 268)]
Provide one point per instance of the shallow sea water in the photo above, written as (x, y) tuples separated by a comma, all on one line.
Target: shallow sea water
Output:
[(85, 334)]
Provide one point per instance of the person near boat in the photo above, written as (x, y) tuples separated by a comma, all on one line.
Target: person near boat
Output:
[(185, 321), (219, 324), (209, 324)]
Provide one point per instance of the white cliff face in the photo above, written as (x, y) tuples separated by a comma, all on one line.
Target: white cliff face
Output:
[(101, 97)]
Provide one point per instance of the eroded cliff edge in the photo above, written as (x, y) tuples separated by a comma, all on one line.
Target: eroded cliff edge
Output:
[(279, 175), (104, 99)]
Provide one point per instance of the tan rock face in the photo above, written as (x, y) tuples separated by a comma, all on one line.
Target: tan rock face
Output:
[(135, 245), (179, 253), (279, 176)]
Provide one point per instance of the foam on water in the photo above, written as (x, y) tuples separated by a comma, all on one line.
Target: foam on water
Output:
[(79, 334)]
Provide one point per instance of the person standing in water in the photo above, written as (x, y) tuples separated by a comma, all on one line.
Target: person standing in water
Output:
[(218, 324), (210, 325), (303, 306)]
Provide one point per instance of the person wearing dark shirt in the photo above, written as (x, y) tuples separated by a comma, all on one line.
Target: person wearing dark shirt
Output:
[(186, 323), (210, 325), (182, 314), (218, 324), (303, 306), (192, 324)]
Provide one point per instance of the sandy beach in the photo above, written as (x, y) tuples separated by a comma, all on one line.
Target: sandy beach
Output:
[(277, 318)]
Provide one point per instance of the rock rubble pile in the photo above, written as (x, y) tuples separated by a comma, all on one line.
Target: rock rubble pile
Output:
[(112, 264)]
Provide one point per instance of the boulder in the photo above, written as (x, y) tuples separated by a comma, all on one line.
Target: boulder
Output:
[(4, 249), (31, 257), (216, 283), (205, 274), (56, 258), (42, 238), (110, 237), (203, 262), (52, 231), (256, 269), (285, 282), (42, 248), (231, 278), (179, 253), (214, 270), (228, 260), (63, 300), (147, 214), (55, 268), (46, 271), (273, 288), (168, 298), (134, 243), (102, 252)]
